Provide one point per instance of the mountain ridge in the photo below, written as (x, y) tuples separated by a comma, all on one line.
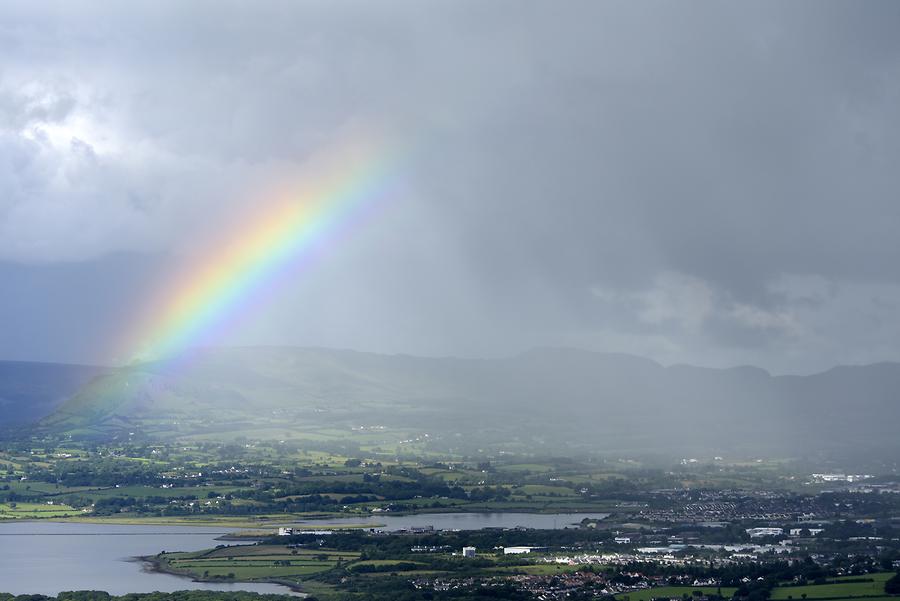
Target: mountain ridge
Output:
[(586, 398)]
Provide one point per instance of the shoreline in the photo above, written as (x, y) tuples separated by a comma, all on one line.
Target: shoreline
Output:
[(236, 528), (153, 564)]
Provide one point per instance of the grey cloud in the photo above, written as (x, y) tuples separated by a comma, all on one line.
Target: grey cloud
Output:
[(710, 183)]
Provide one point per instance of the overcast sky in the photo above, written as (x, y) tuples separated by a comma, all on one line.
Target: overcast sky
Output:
[(707, 183)]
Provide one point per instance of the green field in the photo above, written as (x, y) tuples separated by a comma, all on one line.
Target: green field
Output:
[(838, 590), (254, 562), (30, 511), (881, 598), (538, 569), (672, 592)]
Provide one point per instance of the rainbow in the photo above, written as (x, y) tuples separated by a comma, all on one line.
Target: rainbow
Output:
[(265, 245)]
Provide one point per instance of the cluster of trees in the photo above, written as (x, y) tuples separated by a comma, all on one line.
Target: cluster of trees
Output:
[(400, 589), (490, 493), (97, 472), (400, 566), (389, 489), (892, 586), (733, 575)]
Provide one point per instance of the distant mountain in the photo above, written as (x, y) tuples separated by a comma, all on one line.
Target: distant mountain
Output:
[(545, 397), (30, 391)]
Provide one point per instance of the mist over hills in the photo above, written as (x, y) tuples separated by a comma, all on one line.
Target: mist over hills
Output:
[(548, 398), (545, 398), (30, 390)]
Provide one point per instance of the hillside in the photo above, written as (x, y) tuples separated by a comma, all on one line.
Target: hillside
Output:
[(546, 397), (30, 390)]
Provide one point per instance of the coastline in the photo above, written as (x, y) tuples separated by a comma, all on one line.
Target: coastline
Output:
[(153, 564)]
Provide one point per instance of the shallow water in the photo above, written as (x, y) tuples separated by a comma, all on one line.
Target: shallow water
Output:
[(49, 557)]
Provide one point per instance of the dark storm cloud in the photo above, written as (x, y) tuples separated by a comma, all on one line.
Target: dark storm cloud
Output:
[(712, 183)]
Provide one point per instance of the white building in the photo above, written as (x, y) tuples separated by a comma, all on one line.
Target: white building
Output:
[(468, 552), (760, 532), (799, 531), (516, 550), (285, 531)]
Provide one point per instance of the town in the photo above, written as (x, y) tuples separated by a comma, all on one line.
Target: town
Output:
[(337, 526)]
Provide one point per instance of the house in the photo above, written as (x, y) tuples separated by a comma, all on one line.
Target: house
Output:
[(622, 540), (285, 531), (799, 531), (468, 551)]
